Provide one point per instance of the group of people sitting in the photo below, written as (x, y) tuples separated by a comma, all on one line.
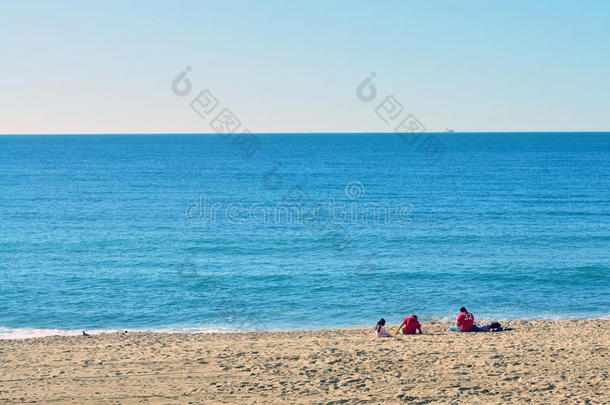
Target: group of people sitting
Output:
[(464, 323)]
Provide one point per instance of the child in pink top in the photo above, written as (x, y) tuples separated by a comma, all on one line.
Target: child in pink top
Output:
[(380, 330)]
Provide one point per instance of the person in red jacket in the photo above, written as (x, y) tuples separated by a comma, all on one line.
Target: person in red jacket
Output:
[(409, 326), (464, 322)]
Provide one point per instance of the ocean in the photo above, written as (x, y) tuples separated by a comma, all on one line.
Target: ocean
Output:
[(300, 231)]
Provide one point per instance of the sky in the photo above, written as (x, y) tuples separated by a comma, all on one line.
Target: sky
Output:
[(295, 66)]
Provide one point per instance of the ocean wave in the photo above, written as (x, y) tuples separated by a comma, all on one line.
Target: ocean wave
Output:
[(30, 333)]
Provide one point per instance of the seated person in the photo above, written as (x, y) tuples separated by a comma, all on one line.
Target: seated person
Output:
[(380, 330), (464, 322), (409, 326)]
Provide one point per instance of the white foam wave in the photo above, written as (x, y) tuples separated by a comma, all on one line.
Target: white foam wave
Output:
[(29, 333)]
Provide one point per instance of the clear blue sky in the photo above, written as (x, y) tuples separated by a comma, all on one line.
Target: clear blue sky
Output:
[(286, 66)]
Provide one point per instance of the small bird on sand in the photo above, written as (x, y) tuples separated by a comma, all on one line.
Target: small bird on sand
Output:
[(86, 334)]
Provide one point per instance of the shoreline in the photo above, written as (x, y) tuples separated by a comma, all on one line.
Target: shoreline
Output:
[(38, 333), (538, 361)]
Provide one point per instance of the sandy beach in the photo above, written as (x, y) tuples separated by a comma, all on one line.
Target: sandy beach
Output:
[(537, 362)]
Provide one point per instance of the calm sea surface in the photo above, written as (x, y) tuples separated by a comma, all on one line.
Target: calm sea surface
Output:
[(198, 232)]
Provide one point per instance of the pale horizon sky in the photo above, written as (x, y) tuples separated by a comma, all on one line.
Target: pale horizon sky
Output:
[(107, 67)]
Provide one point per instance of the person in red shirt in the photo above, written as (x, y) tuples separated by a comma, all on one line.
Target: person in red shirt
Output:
[(465, 320), (409, 326)]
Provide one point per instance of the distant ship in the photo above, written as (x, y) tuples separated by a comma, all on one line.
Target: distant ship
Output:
[(448, 131)]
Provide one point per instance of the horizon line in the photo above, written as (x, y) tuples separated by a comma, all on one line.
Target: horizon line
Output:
[(305, 133)]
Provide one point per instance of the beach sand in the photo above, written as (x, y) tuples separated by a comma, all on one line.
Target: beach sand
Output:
[(537, 362)]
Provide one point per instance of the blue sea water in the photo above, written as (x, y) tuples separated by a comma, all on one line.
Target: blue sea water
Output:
[(192, 232)]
